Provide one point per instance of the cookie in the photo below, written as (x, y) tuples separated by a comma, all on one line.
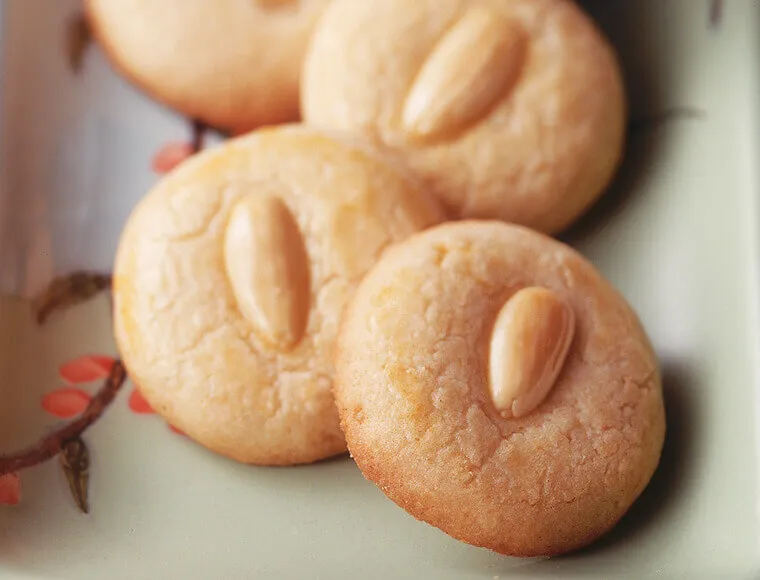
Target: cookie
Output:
[(494, 385), (233, 64), (507, 109), (230, 279)]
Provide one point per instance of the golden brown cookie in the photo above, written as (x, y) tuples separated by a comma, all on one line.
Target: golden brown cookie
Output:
[(230, 279), (233, 64), (508, 109), (494, 385)]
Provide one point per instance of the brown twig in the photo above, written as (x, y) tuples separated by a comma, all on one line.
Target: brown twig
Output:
[(78, 39), (199, 136), (68, 291), (716, 13), (52, 444), (635, 126)]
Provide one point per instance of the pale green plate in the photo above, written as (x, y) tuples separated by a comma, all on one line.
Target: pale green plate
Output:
[(678, 235)]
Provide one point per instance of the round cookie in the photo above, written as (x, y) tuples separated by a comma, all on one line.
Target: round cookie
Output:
[(233, 64), (461, 311), (508, 109), (230, 279)]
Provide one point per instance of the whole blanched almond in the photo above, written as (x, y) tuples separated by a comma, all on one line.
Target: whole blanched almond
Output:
[(529, 345), (472, 66), (268, 268)]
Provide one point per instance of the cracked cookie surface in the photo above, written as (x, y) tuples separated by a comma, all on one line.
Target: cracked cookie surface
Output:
[(412, 392), (210, 270), (507, 109), (233, 64)]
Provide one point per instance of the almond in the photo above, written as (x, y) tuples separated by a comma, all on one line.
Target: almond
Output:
[(529, 345), (268, 268), (471, 67)]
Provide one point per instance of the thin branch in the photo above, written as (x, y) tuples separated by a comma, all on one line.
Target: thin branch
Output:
[(78, 39), (648, 122), (199, 136), (52, 444), (68, 291), (715, 13)]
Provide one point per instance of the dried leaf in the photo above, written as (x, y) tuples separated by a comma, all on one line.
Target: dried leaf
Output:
[(75, 461), (53, 443), (139, 405), (85, 369), (66, 402), (10, 489), (78, 38), (169, 156), (68, 291)]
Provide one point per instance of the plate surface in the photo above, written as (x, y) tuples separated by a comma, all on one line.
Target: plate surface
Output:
[(678, 234)]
